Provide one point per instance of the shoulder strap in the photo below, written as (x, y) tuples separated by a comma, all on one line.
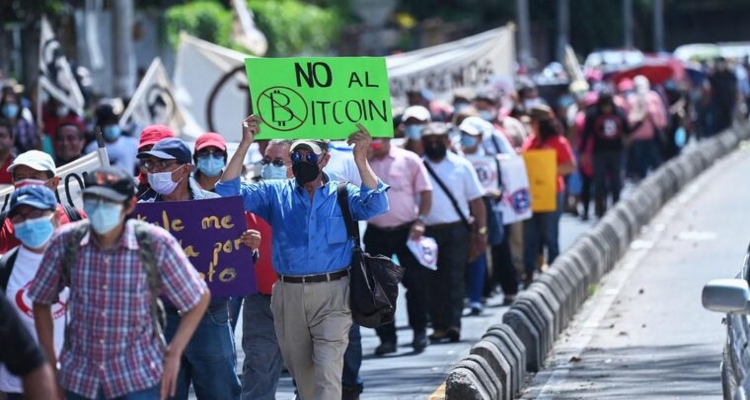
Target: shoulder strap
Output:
[(3, 217), (72, 246), (72, 213), (147, 255), (352, 228), (494, 143), (448, 193), (7, 262)]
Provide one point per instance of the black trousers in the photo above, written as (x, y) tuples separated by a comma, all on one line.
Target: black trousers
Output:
[(503, 271), (607, 167), (416, 277), (447, 285)]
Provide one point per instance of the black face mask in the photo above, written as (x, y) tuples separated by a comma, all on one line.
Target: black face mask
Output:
[(435, 151), (304, 172)]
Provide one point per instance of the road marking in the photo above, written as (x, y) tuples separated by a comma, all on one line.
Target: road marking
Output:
[(439, 393)]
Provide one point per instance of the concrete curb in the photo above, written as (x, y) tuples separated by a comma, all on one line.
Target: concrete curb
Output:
[(497, 366)]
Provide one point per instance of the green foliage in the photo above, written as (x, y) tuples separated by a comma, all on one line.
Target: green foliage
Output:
[(207, 20), (293, 27)]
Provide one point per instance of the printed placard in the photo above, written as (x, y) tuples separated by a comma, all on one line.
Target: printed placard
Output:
[(209, 231), (541, 167), (320, 98), (486, 167)]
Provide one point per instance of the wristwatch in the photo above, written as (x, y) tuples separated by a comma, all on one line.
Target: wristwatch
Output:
[(483, 230)]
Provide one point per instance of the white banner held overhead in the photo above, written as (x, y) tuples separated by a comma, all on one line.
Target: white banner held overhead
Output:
[(55, 74), (69, 190), (473, 63), (153, 101)]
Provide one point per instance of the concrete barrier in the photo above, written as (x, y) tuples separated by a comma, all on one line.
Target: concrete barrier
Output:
[(498, 364)]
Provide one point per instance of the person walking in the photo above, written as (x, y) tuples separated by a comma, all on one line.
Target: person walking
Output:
[(113, 346), (311, 252)]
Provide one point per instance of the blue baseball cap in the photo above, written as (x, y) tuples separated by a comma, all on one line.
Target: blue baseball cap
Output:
[(37, 196), (170, 149)]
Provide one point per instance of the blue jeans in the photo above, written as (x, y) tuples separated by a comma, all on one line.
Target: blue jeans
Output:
[(542, 227), (146, 394), (353, 359), (476, 274), (235, 304), (263, 362), (645, 155), (209, 361)]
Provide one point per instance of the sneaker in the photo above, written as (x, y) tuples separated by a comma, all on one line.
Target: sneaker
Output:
[(420, 341), (438, 335), (508, 300), (350, 392), (453, 334), (385, 348), (476, 308)]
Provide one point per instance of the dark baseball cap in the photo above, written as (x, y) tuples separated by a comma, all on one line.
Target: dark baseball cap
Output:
[(110, 183), (170, 149), (37, 196)]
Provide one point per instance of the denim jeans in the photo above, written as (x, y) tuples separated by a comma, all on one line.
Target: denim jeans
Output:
[(146, 394), (263, 362), (476, 273), (353, 359), (542, 227), (209, 361), (645, 155), (235, 305)]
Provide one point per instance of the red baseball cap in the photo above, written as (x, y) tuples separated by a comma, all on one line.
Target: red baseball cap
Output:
[(209, 139), (154, 133)]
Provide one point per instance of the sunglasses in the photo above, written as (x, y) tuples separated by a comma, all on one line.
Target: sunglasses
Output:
[(276, 162), (211, 153), (298, 157)]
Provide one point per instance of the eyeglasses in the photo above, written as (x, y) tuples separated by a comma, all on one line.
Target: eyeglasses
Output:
[(276, 162), (298, 157), (18, 217), (210, 153), (161, 165)]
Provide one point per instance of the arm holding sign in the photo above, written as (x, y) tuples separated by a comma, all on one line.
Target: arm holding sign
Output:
[(370, 199)]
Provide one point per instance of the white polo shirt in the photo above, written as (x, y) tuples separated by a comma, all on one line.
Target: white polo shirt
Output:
[(461, 179)]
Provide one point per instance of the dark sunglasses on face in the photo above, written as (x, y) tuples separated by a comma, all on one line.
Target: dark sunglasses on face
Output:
[(298, 157), (277, 162)]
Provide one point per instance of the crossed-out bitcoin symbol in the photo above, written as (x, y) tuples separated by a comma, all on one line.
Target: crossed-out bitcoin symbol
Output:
[(282, 108)]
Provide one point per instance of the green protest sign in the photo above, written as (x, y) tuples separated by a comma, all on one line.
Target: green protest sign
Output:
[(320, 98)]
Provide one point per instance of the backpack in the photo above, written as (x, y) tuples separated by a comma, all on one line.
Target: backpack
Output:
[(147, 257)]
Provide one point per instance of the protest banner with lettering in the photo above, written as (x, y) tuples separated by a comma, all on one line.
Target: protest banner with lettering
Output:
[(55, 74), (516, 201), (153, 101), (320, 98), (541, 167), (209, 231), (71, 179)]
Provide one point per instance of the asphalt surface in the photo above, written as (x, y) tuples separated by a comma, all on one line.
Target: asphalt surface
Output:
[(644, 333)]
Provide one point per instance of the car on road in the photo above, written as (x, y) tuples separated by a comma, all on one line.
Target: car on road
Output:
[(732, 297)]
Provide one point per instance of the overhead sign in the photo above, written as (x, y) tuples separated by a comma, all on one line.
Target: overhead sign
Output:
[(210, 239), (320, 98)]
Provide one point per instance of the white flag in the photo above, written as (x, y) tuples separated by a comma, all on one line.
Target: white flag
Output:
[(154, 102), (55, 74)]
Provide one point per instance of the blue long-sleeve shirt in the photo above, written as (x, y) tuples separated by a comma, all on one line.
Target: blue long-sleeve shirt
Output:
[(309, 238)]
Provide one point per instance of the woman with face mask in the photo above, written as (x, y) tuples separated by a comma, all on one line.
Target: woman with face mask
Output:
[(210, 157), (24, 131)]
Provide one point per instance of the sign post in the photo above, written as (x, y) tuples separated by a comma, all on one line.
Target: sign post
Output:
[(320, 98)]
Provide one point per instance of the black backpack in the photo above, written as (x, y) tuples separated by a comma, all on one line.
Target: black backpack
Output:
[(373, 280)]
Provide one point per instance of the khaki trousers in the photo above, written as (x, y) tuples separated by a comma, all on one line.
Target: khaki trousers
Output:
[(312, 322)]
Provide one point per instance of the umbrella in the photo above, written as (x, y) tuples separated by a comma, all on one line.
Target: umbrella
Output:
[(657, 69)]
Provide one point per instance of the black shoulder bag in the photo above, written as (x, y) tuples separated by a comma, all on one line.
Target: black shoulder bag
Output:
[(373, 280)]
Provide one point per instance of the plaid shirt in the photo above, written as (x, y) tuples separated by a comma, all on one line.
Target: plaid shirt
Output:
[(110, 342)]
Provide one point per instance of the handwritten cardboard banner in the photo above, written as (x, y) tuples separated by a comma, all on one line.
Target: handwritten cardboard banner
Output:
[(320, 98), (541, 167), (209, 232)]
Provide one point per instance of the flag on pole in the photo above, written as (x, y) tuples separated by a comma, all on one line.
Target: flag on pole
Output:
[(154, 102), (55, 74)]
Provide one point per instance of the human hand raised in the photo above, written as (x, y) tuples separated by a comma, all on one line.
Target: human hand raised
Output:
[(250, 128), (361, 141)]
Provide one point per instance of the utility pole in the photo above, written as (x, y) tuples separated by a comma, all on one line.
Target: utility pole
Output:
[(627, 18), (122, 48), (563, 28), (658, 25), (524, 33)]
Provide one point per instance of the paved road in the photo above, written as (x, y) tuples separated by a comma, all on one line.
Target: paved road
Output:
[(644, 333), (406, 375)]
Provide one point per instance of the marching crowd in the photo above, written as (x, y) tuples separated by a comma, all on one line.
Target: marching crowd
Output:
[(120, 313)]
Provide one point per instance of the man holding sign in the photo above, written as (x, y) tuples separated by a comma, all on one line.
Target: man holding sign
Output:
[(311, 253)]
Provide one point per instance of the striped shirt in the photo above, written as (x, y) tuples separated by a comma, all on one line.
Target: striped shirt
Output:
[(110, 343)]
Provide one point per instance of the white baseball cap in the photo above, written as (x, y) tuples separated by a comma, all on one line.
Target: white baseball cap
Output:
[(34, 159), (417, 112)]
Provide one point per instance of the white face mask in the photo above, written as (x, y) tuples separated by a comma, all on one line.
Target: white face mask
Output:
[(162, 182)]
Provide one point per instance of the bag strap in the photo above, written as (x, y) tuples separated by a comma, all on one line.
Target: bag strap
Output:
[(147, 255), (7, 262), (449, 194), (352, 227), (72, 213), (72, 246)]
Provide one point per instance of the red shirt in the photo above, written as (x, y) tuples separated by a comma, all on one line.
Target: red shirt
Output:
[(561, 146), (265, 276), (5, 177), (8, 232)]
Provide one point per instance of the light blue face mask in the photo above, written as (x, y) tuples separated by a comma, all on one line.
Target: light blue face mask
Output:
[(10, 111), (103, 216), (414, 132), (468, 142), (35, 233), (271, 171), (111, 132), (487, 115), (211, 166)]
